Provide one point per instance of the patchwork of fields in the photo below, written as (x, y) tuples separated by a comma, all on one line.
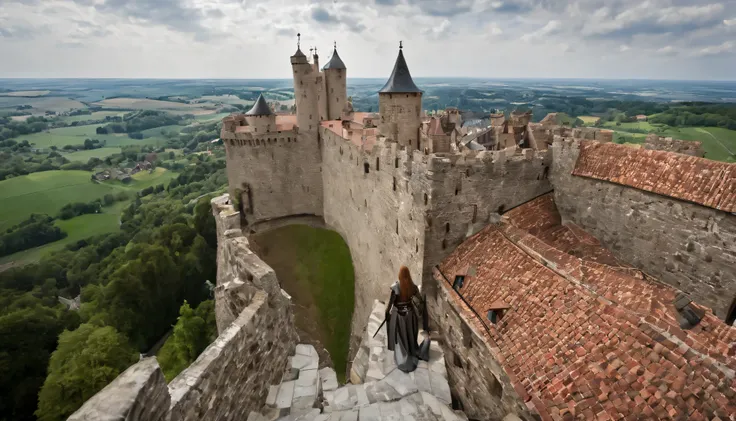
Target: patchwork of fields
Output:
[(47, 192)]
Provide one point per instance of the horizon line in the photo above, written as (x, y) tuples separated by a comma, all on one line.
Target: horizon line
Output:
[(382, 78)]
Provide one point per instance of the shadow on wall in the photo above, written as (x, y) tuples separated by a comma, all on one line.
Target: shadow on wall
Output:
[(315, 267)]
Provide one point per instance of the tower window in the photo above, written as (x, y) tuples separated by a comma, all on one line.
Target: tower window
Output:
[(458, 283), (378, 164), (397, 226), (447, 228), (366, 168), (426, 199), (396, 162), (731, 316), (394, 183)]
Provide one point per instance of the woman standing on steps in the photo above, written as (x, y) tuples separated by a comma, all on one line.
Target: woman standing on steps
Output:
[(404, 308)]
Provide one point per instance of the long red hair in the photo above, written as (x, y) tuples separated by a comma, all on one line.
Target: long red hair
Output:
[(406, 285)]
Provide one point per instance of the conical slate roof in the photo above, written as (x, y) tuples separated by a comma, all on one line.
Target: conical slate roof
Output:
[(400, 80), (335, 62), (260, 107), (298, 53)]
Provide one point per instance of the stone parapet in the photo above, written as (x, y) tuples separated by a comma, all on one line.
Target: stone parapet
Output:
[(138, 394), (232, 376)]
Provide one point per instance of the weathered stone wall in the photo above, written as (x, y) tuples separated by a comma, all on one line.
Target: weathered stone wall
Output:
[(400, 117), (276, 174), (337, 92), (478, 381), (688, 246), (466, 192), (374, 200), (138, 394), (232, 376)]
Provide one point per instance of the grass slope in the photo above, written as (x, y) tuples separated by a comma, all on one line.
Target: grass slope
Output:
[(314, 266), (85, 155)]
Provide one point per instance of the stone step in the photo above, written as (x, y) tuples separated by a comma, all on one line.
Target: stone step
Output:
[(300, 387)]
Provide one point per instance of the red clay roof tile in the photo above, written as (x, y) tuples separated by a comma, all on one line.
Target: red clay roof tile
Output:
[(698, 180), (584, 337)]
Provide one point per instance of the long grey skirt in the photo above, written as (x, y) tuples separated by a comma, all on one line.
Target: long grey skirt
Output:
[(403, 330)]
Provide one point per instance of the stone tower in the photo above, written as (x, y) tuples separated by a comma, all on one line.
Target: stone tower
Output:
[(305, 92), (336, 86), (400, 106), (260, 118)]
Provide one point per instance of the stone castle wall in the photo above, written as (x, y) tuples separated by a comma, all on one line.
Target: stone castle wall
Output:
[(232, 376), (686, 245), (479, 382), (467, 191), (277, 174), (400, 117), (373, 200)]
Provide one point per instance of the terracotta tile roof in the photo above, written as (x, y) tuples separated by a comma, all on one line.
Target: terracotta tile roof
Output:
[(540, 218), (585, 340), (698, 180), (365, 138)]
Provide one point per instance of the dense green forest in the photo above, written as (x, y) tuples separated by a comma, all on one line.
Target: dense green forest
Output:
[(133, 284)]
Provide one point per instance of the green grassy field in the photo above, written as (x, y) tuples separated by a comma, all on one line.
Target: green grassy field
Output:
[(46, 192), (145, 179), (97, 115), (84, 156), (587, 119), (314, 266), (77, 228), (719, 144), (76, 135)]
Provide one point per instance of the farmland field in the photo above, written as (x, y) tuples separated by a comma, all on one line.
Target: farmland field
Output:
[(85, 155), (587, 119), (46, 192), (97, 115), (145, 104), (31, 194), (76, 135), (77, 228), (25, 93)]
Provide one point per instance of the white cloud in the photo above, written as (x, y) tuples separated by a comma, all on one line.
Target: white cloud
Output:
[(253, 39), (550, 28), (725, 48), (667, 51)]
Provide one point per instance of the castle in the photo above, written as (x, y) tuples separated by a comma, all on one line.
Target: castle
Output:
[(567, 277)]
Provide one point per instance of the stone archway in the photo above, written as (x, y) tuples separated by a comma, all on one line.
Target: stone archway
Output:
[(314, 265)]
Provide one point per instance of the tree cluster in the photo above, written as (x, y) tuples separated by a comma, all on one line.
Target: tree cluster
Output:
[(33, 232), (132, 284)]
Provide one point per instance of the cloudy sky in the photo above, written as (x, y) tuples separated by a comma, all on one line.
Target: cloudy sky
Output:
[(660, 39)]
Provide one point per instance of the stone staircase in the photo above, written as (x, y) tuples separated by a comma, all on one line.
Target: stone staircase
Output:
[(379, 390)]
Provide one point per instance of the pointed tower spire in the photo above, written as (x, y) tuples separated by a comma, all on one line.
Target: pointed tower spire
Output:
[(298, 46), (260, 107), (400, 80), (335, 62)]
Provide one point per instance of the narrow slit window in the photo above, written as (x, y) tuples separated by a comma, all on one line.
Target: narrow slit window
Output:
[(458, 283)]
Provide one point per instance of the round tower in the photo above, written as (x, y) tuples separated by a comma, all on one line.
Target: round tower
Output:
[(305, 91), (336, 85), (260, 118), (400, 106)]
